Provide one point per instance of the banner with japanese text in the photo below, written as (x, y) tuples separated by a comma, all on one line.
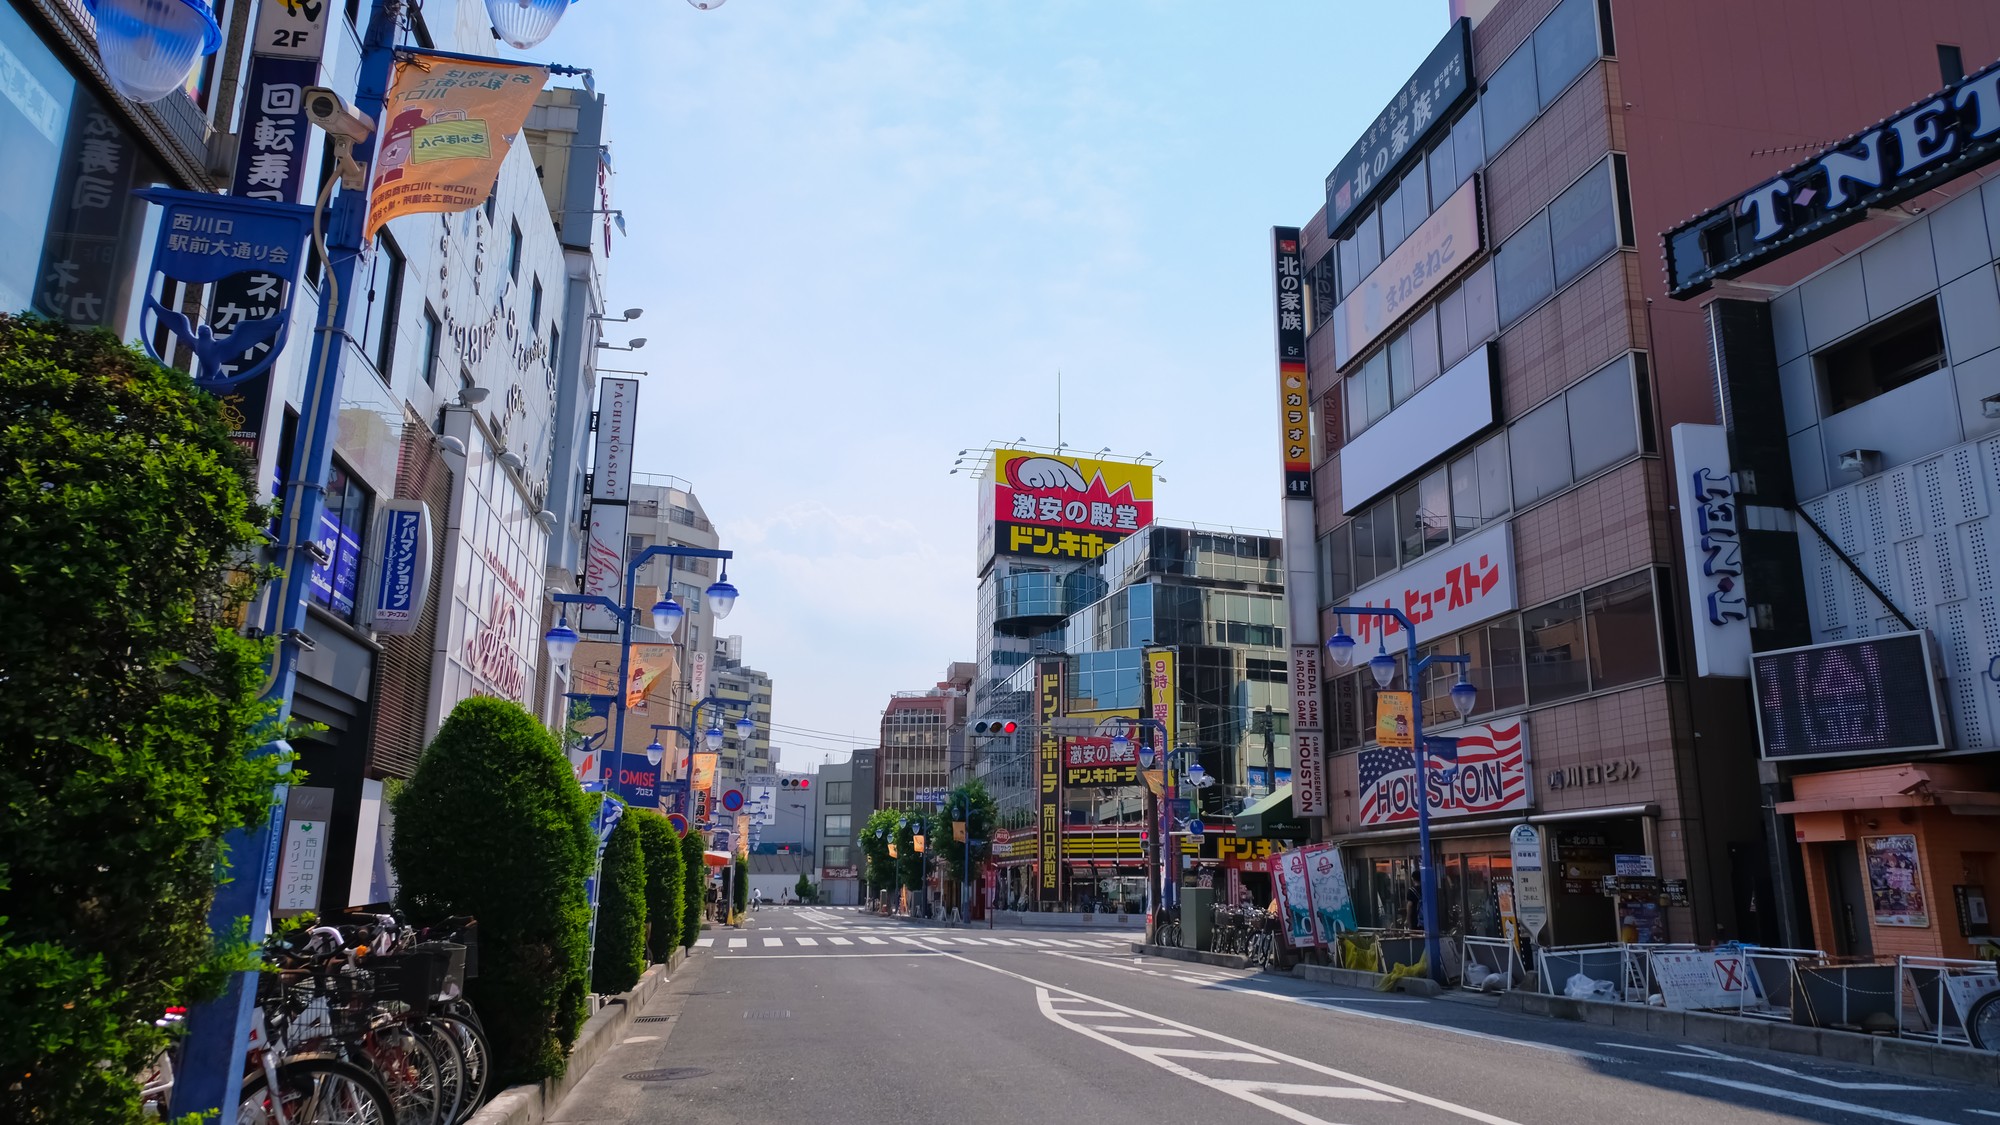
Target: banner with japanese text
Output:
[(445, 130), (1050, 689), (1051, 507)]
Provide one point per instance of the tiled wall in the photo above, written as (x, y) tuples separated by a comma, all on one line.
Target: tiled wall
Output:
[(1506, 27), (1563, 143), (1599, 316), (1635, 725), (1612, 525)]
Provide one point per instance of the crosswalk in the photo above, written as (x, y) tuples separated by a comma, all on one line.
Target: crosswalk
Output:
[(892, 941)]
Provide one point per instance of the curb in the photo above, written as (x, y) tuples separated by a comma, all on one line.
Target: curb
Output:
[(1902, 1056), (1202, 957), (532, 1104), (1363, 979)]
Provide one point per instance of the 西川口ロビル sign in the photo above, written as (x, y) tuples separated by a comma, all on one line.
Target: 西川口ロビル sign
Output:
[(1941, 138), (1486, 771), (1066, 507)]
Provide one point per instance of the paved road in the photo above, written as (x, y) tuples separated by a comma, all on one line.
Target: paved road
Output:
[(808, 1020)]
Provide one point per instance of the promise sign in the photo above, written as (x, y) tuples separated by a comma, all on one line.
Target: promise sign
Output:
[(1940, 138)]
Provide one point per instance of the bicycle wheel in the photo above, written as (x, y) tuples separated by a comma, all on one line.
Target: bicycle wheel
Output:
[(409, 1071), (473, 1048), (316, 1092), (451, 1070), (1982, 1023)]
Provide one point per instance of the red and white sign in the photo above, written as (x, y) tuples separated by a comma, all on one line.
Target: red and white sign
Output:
[(1089, 753), (1444, 591), (1703, 980), (1487, 774)]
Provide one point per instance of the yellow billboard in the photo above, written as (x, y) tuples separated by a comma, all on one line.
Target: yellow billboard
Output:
[(1058, 507)]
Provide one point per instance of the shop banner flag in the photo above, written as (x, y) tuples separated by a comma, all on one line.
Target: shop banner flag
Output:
[(446, 128), (1332, 908), (1295, 899)]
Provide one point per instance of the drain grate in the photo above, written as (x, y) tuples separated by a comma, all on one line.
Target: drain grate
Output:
[(769, 1014), (653, 1019), (669, 1074)]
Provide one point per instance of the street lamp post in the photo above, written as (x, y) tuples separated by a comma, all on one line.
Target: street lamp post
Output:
[(1121, 740), (1340, 648)]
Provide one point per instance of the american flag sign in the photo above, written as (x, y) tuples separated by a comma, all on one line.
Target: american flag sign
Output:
[(1482, 770)]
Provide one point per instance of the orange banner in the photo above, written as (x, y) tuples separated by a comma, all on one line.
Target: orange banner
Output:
[(704, 771), (445, 131)]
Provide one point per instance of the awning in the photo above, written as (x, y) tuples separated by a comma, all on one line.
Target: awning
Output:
[(1272, 819), (717, 859)]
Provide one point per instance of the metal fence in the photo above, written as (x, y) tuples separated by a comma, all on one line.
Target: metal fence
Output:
[(1498, 957), (1934, 995)]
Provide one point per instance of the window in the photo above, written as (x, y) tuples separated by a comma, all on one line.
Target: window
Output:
[(1393, 228), (838, 855), (1552, 637), (1507, 663), (1565, 46), (385, 300), (1366, 566), (1523, 274), (1482, 311), (1603, 426), (1349, 251), (433, 342), (1375, 379), (1337, 562), (1423, 511), (1402, 375), (492, 199), (837, 793), (343, 523), (1416, 198), (1540, 447), (1624, 640), (839, 826), (1951, 64), (1368, 239), (1424, 347), (1443, 170), (1583, 224), (1468, 144), (1508, 103), (1479, 491), (1890, 353), (1324, 290), (1452, 345), (534, 305)]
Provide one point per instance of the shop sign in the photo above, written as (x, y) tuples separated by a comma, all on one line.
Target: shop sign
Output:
[(1308, 777), (1288, 294), (1420, 108), (1065, 507), (1097, 761), (1940, 138), (303, 863), (1594, 773), (402, 583), (840, 873), (1484, 769), (1432, 255), (1635, 865), (1711, 541), (1446, 590), (1703, 980), (1291, 883), (604, 566), (1326, 884), (617, 420), (1876, 695), (291, 28), (1050, 673), (1306, 687), (1160, 689)]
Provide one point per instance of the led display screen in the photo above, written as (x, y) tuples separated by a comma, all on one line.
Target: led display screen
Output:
[(1877, 695)]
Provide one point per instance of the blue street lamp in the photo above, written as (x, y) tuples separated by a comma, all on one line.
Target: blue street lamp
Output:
[(667, 617), (149, 46), (745, 727), (1196, 777), (1464, 696), (524, 23)]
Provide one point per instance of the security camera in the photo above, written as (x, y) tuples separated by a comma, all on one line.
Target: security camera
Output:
[(325, 109)]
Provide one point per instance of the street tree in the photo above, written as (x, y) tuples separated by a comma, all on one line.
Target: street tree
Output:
[(131, 715), (881, 873), (969, 802), (621, 911), (494, 825), (694, 868), (666, 897)]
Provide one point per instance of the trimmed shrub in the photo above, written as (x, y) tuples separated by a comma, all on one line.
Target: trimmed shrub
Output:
[(666, 899), (621, 912), (741, 890), (494, 825), (694, 885), (130, 711)]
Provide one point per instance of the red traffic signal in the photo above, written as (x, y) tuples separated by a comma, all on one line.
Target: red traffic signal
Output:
[(994, 727), (805, 783)]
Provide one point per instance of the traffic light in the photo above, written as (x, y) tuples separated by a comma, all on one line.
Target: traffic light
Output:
[(795, 783), (994, 728)]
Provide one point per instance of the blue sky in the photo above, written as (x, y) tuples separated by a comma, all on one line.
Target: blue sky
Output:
[(867, 235)]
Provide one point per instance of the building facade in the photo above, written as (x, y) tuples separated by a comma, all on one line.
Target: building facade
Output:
[(839, 819), (923, 735)]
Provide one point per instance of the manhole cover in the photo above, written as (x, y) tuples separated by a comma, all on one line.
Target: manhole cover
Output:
[(653, 1019), (669, 1074), (772, 1014)]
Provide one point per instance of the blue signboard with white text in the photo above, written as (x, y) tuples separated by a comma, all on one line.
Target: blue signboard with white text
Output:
[(402, 582)]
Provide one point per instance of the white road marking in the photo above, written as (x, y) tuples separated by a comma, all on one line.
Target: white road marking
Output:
[(834, 956), (1278, 1108), (738, 942), (703, 943), (1059, 941), (840, 941), (771, 941), (1167, 1031), (1809, 1099), (910, 941), (791, 927), (1984, 1112), (1218, 1056), (1029, 941), (1310, 1091), (639, 1039), (998, 941), (1333, 1004), (1094, 961), (1689, 1050), (873, 940), (805, 941)]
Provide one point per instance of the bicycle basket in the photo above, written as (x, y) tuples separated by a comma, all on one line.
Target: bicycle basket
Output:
[(412, 978), (453, 957)]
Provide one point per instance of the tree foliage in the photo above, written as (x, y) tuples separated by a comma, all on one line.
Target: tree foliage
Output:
[(740, 884), (493, 825), (804, 888), (881, 873), (909, 862), (130, 710), (666, 897), (985, 814), (695, 885), (621, 911)]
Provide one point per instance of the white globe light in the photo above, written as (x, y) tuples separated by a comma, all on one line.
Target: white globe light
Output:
[(655, 752), (524, 23), (561, 641), (1340, 647), (713, 736), (722, 598), (667, 616), (149, 46), (745, 727)]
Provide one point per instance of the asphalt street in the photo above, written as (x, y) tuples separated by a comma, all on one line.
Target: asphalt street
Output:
[(833, 1016)]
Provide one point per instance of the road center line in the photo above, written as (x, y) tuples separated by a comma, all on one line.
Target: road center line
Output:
[(1809, 1099), (1275, 1107)]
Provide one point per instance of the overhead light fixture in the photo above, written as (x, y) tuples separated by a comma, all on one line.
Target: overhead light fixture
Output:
[(1860, 461), (513, 461), (470, 395)]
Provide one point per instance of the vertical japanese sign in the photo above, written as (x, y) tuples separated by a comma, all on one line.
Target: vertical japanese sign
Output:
[(79, 276), (1294, 426), (610, 489), (1160, 693), (403, 579), (1308, 748), (447, 126), (1394, 712), (1050, 681), (302, 862)]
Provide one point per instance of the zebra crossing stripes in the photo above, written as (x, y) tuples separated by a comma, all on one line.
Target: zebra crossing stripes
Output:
[(911, 941)]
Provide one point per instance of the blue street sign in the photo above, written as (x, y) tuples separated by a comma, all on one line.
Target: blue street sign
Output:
[(1195, 828), (205, 238)]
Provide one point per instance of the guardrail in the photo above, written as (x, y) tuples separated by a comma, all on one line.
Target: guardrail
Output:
[(1934, 994), (1498, 957)]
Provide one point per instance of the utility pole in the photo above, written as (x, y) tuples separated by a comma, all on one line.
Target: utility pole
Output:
[(1270, 755)]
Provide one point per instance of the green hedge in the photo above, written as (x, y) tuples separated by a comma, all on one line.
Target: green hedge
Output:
[(493, 825), (665, 868), (621, 911), (129, 710), (694, 886)]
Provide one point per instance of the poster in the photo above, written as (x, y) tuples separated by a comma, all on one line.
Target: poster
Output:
[(1326, 881), (448, 125), (1295, 900), (1393, 725), (1693, 980), (1895, 883)]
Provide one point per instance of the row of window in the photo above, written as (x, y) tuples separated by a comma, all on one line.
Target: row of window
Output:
[(1560, 50), (1606, 637), (1440, 336), (1599, 422)]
